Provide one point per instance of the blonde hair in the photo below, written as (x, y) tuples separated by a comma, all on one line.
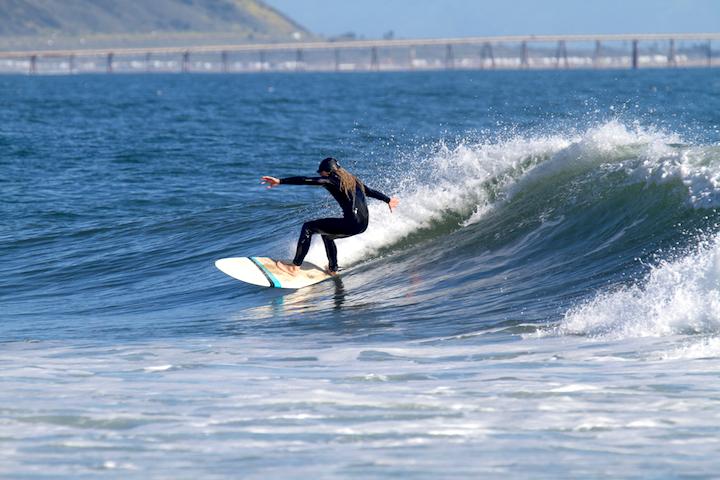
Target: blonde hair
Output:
[(348, 182)]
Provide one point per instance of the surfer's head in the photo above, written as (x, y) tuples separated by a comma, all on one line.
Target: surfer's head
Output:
[(348, 181), (328, 165)]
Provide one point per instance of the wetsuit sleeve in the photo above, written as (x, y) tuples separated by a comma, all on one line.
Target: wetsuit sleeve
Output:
[(377, 195), (305, 181)]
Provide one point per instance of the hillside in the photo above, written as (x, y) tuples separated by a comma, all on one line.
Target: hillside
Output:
[(248, 20)]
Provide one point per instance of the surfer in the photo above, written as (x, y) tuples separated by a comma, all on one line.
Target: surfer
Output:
[(350, 193)]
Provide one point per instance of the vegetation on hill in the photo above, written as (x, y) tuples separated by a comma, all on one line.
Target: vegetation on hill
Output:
[(246, 20)]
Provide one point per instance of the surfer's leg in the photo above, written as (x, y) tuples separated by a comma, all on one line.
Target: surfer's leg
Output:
[(303, 244), (322, 226), (340, 228), (331, 251)]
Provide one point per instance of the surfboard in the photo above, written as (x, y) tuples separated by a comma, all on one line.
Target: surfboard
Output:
[(263, 271)]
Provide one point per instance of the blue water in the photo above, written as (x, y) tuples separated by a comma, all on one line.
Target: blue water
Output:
[(545, 301)]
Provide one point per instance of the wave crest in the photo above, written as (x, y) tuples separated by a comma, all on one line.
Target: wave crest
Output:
[(455, 188)]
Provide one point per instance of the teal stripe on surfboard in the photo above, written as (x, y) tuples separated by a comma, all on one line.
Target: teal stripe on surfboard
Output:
[(271, 278)]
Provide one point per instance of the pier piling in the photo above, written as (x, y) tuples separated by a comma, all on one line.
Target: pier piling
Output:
[(597, 53), (449, 57), (561, 53), (635, 54), (299, 60), (485, 53), (186, 61), (709, 53), (374, 61), (672, 58), (524, 61)]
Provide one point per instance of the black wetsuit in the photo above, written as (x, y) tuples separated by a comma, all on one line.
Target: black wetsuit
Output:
[(354, 221)]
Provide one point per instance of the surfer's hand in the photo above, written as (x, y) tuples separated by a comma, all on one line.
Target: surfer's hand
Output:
[(393, 203), (271, 181)]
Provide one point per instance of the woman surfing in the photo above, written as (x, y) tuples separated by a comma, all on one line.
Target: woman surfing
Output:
[(350, 193)]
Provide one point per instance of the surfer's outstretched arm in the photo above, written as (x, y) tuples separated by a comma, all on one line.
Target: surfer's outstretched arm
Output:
[(274, 182), (372, 193)]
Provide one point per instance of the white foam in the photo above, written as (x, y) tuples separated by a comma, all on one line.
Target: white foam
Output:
[(698, 168), (573, 388), (703, 348), (158, 368), (644, 423), (681, 296), (596, 423)]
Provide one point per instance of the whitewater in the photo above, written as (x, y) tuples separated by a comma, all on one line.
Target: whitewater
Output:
[(545, 302)]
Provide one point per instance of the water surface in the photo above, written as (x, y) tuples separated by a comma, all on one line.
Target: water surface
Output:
[(545, 302)]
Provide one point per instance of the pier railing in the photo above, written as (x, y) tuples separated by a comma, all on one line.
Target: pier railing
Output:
[(497, 52)]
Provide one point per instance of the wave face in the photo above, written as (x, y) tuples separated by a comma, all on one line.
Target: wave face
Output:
[(604, 167), (556, 218)]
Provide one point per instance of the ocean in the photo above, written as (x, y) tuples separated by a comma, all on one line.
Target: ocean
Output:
[(544, 303)]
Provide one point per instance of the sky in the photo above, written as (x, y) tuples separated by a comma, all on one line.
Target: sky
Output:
[(462, 18)]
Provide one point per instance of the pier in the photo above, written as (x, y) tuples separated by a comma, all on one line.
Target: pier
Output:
[(499, 52)]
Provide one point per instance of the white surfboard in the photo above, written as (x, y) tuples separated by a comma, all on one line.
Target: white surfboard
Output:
[(264, 272)]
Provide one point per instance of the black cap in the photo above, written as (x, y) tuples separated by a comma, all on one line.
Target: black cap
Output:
[(328, 165)]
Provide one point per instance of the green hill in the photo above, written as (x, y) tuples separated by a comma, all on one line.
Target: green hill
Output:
[(125, 20)]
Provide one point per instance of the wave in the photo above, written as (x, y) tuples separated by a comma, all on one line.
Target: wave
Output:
[(677, 297), (457, 188), (525, 223), (586, 225)]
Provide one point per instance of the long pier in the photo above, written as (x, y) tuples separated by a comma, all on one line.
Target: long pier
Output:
[(510, 51)]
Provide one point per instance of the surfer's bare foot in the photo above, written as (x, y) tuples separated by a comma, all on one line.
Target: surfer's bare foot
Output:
[(332, 273), (289, 268)]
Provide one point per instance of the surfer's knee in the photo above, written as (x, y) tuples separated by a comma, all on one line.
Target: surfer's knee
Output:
[(307, 229)]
